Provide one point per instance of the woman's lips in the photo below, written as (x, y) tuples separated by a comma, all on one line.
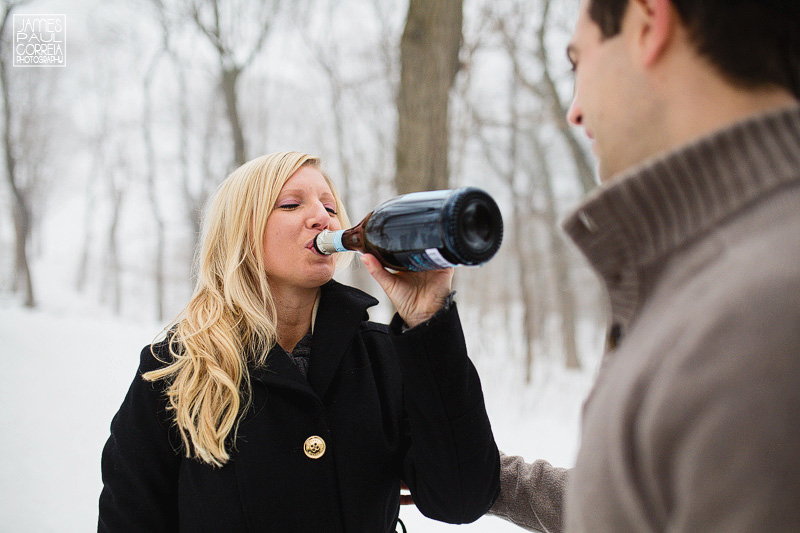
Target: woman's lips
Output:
[(310, 246)]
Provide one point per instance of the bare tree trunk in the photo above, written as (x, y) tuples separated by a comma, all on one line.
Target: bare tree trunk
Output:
[(112, 273), (429, 63), (563, 303), (194, 203), (228, 83), (209, 176), (463, 115), (20, 209), (114, 267), (98, 140), (545, 88), (520, 223), (226, 43), (558, 109), (336, 89), (357, 277), (528, 267), (152, 194), (88, 214), (564, 296)]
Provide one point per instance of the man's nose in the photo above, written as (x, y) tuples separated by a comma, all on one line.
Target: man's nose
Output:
[(574, 113)]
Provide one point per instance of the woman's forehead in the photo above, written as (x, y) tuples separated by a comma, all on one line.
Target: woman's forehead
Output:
[(307, 179)]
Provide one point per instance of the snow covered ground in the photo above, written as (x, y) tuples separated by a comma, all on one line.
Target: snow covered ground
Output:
[(65, 368)]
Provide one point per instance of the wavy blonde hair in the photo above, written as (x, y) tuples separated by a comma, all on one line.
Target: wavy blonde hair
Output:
[(229, 323)]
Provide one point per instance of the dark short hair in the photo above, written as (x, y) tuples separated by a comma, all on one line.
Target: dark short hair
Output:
[(754, 43)]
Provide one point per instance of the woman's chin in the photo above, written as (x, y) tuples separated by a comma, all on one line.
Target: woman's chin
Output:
[(320, 276)]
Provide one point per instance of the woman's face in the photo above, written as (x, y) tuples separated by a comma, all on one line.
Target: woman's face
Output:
[(305, 207)]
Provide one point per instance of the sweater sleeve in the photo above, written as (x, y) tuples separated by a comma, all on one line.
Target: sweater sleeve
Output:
[(452, 464), (140, 462), (531, 494)]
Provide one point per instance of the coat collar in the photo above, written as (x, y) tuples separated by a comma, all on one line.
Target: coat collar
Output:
[(341, 311)]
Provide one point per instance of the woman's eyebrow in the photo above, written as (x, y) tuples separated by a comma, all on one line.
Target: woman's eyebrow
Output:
[(299, 191)]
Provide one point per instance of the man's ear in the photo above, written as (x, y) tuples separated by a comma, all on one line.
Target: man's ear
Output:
[(655, 23)]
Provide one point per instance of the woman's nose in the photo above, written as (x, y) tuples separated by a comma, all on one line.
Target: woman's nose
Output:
[(319, 218)]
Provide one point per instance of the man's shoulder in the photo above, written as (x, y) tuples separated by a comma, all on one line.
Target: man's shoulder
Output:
[(760, 259), (754, 254), (730, 297)]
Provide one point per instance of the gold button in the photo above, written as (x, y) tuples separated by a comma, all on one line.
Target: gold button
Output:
[(314, 447)]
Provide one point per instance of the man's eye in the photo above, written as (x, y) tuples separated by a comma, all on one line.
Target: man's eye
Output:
[(573, 65), (572, 58)]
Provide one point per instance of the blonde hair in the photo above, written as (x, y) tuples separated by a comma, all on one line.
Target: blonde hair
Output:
[(229, 323)]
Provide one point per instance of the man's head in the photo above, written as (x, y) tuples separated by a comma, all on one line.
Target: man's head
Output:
[(650, 74), (752, 42)]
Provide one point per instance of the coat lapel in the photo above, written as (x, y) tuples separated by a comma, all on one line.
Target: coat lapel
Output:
[(341, 311)]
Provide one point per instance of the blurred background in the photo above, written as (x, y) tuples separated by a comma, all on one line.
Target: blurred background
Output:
[(108, 161)]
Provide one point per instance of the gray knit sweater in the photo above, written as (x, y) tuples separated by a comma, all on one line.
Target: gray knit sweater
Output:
[(693, 424)]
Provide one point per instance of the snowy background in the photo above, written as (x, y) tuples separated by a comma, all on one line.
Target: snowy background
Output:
[(65, 369), (65, 366)]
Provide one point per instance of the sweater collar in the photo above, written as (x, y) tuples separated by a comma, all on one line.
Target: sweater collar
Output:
[(657, 207)]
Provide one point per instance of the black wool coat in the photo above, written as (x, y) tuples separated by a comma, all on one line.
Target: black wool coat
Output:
[(389, 406)]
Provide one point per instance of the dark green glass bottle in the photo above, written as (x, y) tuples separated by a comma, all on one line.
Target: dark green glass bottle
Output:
[(424, 231)]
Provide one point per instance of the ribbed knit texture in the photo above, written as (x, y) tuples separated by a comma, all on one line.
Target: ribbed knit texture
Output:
[(692, 424), (659, 206)]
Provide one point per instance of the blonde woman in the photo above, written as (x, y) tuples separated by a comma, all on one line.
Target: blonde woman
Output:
[(273, 404)]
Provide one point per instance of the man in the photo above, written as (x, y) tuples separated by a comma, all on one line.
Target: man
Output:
[(693, 424)]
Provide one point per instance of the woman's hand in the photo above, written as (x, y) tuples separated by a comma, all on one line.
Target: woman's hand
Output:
[(415, 295)]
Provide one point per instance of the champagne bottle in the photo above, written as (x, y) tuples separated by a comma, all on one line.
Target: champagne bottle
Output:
[(424, 231)]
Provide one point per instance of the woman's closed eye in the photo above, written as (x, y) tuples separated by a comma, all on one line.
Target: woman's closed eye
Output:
[(288, 206)]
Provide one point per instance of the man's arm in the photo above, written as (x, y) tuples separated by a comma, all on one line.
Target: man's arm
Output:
[(531, 494)]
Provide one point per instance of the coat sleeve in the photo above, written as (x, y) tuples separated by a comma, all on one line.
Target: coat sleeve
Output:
[(140, 462), (452, 464), (531, 494)]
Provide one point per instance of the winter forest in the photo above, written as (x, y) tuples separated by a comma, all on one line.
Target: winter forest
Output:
[(108, 162)]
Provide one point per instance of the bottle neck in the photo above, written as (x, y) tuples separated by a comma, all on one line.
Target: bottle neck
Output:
[(329, 242), (343, 240)]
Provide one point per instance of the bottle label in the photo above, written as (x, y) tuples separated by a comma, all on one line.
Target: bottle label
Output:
[(436, 256), (337, 241), (430, 259)]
